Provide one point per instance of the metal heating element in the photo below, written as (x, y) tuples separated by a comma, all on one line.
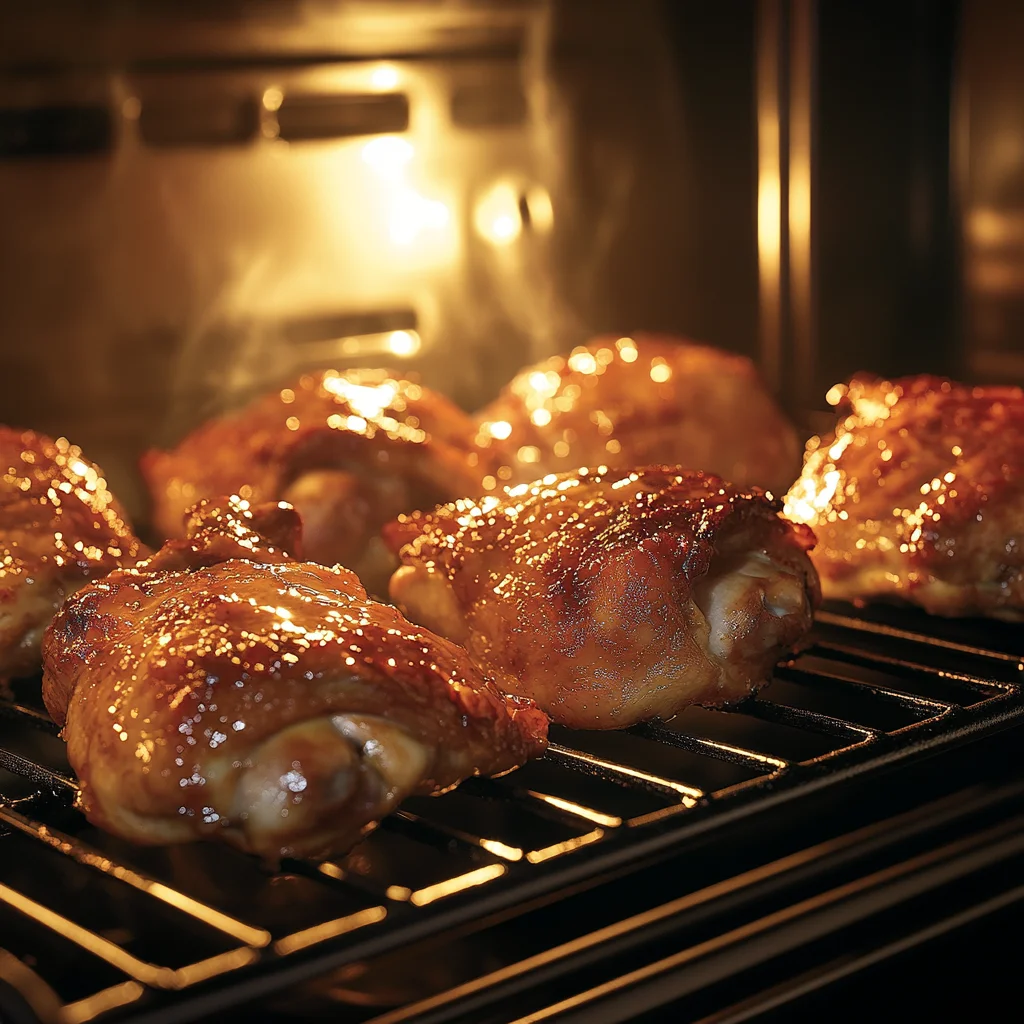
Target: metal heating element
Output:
[(91, 927)]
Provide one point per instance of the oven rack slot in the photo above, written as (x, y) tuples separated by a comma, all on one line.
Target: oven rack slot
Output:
[(91, 927)]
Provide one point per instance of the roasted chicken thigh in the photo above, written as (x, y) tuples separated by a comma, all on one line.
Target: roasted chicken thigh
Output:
[(612, 597), (59, 527), (918, 496), (223, 690), (350, 451), (625, 402)]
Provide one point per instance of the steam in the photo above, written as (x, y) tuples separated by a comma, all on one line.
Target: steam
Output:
[(560, 151), (550, 285), (221, 354), (485, 308), (535, 296)]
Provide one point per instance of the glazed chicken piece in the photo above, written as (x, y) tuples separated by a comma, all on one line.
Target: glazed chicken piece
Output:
[(350, 451), (918, 496), (263, 701), (645, 400), (612, 597), (59, 527)]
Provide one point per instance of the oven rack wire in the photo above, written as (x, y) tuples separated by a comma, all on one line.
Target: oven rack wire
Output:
[(92, 928)]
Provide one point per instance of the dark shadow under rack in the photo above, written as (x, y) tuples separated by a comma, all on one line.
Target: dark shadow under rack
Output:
[(93, 927)]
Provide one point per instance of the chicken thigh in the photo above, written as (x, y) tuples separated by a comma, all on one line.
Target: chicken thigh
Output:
[(612, 597), (625, 402), (918, 496), (224, 690), (350, 451), (59, 527)]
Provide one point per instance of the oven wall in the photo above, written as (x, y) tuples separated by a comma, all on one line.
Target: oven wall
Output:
[(886, 258), (989, 158), (917, 114), (200, 201)]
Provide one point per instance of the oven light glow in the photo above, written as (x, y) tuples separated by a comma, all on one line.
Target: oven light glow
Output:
[(409, 217), (384, 77), (403, 343), (388, 155), (504, 229), (413, 214), (360, 346), (769, 223), (497, 218)]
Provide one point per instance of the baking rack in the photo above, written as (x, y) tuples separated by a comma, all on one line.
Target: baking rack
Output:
[(91, 927)]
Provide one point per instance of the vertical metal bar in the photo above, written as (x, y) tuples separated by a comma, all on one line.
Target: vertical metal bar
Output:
[(786, 137), (960, 197), (802, 155), (771, 193)]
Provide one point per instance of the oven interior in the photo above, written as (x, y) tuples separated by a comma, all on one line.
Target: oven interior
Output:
[(200, 200)]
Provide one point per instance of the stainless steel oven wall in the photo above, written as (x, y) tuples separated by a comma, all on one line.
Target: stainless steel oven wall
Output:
[(196, 208), (201, 200), (989, 161), (891, 191), (856, 211), (887, 255)]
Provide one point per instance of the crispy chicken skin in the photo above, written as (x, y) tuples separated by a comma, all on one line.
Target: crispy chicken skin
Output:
[(625, 402), (263, 701), (350, 451), (918, 496), (59, 527), (612, 597)]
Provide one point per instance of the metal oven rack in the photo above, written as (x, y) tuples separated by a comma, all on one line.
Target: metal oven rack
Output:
[(91, 927)]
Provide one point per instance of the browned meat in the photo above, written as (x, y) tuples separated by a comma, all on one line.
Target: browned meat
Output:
[(645, 400), (59, 527), (262, 701), (350, 451), (918, 496), (610, 598)]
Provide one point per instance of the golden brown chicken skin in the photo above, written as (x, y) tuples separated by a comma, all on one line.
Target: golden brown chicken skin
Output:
[(59, 527), (612, 597), (262, 701), (918, 496), (350, 451), (642, 400)]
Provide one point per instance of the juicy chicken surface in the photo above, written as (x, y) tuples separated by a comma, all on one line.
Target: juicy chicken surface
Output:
[(645, 400), (610, 598), (59, 527), (350, 451), (223, 690), (918, 496)]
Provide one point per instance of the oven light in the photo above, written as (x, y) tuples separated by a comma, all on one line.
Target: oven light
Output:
[(403, 343), (384, 77), (388, 155), (504, 229), (497, 218), (361, 346), (412, 214), (409, 217)]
